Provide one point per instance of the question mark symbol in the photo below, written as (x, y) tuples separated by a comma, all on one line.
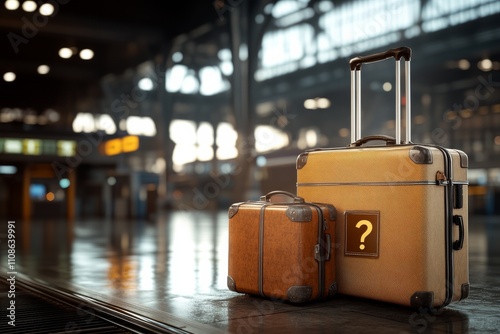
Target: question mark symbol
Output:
[(369, 228)]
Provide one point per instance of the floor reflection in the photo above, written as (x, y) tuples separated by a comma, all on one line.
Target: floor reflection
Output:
[(178, 264)]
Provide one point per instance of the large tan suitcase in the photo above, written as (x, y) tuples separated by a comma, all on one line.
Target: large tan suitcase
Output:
[(402, 210), (281, 249)]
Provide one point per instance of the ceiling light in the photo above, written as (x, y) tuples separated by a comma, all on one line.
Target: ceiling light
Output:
[(65, 53), (46, 9), (9, 76), (29, 6), (12, 4), (43, 69), (485, 65), (177, 57), (86, 54), (146, 84), (310, 104), (463, 64), (323, 103)]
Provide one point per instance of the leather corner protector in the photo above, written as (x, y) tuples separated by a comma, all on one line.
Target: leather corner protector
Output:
[(231, 285), (233, 210), (465, 291), (422, 300), (333, 289), (464, 159), (299, 213), (299, 294), (332, 211), (421, 155), (302, 160)]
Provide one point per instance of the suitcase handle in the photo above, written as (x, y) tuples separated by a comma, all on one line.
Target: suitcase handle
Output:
[(397, 53), (388, 140), (459, 244), (355, 65), (267, 197)]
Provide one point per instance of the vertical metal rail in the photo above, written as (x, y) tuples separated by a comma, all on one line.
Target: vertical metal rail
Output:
[(408, 101), (398, 102), (358, 104), (353, 106)]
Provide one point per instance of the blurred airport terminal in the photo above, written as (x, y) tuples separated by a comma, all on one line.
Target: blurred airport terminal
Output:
[(131, 111), (134, 119)]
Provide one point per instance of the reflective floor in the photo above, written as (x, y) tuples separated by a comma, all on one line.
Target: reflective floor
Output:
[(173, 269)]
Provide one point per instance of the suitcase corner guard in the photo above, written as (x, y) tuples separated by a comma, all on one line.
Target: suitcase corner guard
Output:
[(299, 293), (302, 160), (465, 291), (299, 213), (332, 290), (422, 300), (232, 210), (231, 284)]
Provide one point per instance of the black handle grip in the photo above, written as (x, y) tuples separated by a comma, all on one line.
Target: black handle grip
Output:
[(267, 197), (459, 244), (397, 53), (388, 140)]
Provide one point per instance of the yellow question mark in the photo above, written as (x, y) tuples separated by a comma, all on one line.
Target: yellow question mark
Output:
[(369, 228)]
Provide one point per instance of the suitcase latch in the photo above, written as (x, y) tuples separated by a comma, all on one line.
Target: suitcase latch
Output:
[(326, 249), (441, 178)]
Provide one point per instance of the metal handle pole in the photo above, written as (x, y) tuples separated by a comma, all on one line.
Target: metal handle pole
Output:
[(408, 101), (398, 102), (353, 106)]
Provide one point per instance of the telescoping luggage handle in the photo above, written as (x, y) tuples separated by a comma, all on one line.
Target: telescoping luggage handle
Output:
[(355, 65)]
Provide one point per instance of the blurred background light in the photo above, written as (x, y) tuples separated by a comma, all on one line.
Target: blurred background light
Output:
[(43, 69), (12, 4), (65, 53), (177, 57), (9, 76), (485, 65), (463, 64), (64, 183), (6, 169), (29, 6), (46, 9), (50, 196), (146, 84), (86, 54), (387, 86), (111, 180)]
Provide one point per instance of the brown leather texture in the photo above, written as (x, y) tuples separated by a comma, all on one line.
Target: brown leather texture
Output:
[(288, 251), (411, 255)]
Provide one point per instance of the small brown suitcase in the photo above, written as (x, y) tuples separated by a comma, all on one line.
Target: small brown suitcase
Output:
[(282, 249)]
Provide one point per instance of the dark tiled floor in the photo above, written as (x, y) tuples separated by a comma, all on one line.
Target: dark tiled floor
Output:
[(174, 270)]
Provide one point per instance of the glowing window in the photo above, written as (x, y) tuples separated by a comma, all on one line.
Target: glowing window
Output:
[(13, 146), (141, 126), (66, 148), (175, 77), (268, 138), (32, 146)]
